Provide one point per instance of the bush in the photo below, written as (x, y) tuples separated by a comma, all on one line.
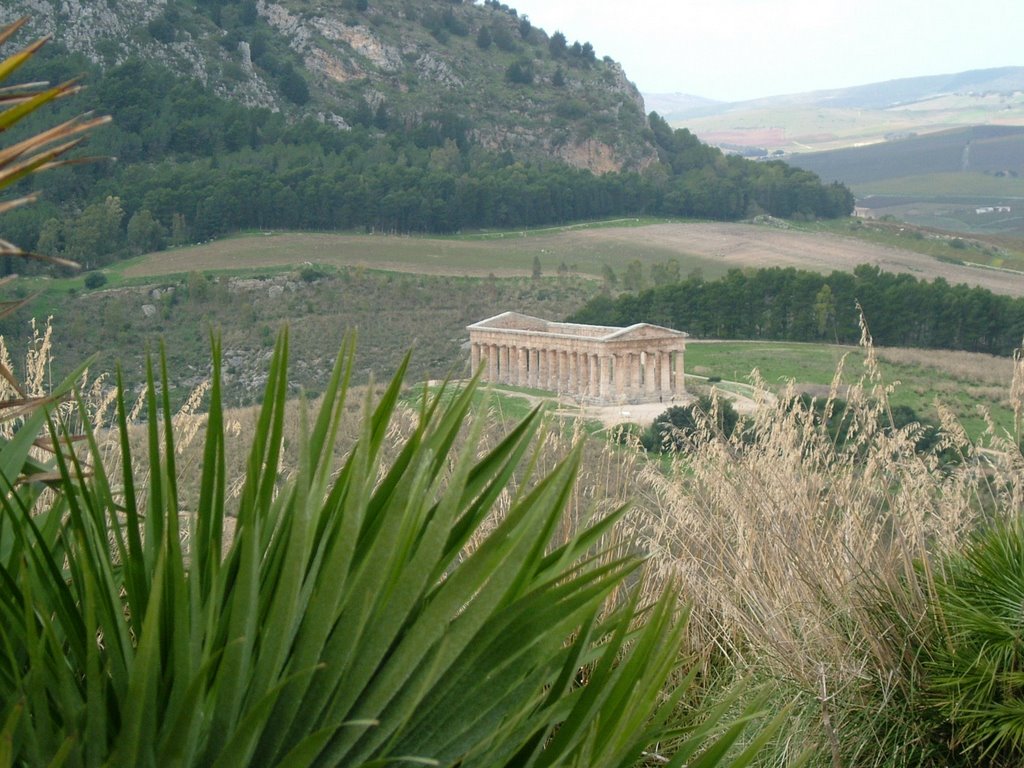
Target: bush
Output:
[(95, 280), (678, 427), (520, 72), (310, 273), (976, 670)]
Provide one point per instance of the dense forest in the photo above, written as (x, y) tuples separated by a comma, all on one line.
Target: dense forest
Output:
[(190, 166), (795, 305)]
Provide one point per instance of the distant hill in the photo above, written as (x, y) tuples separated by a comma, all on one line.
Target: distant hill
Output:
[(838, 118), (967, 180), (670, 105), (382, 116), (510, 85), (993, 150)]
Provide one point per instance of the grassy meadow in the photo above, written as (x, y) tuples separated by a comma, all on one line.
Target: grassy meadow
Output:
[(419, 293), (991, 249), (478, 254), (974, 387)]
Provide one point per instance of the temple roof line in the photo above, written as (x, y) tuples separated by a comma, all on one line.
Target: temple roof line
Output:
[(516, 322)]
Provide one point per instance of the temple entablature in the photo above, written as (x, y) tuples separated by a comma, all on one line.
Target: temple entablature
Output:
[(594, 363)]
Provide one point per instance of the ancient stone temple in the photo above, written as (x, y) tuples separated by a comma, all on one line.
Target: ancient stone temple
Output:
[(594, 363)]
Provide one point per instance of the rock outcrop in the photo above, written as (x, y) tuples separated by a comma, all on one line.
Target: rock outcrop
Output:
[(413, 63)]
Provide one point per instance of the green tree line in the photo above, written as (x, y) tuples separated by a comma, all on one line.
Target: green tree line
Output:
[(191, 166), (787, 304)]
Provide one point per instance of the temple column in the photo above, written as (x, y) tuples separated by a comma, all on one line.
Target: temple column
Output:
[(521, 367), (665, 369), (563, 371), (604, 387), (508, 375), (634, 378), (474, 357), (680, 384), (594, 368), (503, 371), (651, 373), (621, 374), (534, 374), (492, 363)]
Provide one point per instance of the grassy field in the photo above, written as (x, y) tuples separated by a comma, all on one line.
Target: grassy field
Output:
[(962, 382), (983, 248), (574, 248), (587, 251), (948, 185), (392, 313)]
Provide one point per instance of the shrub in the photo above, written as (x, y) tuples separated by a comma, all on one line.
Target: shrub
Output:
[(681, 425), (95, 280), (310, 273), (520, 72), (797, 539), (976, 669)]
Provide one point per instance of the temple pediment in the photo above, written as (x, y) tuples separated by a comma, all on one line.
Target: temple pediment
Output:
[(516, 321), (597, 363), (645, 332)]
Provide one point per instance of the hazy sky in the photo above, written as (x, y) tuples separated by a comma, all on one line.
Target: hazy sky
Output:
[(740, 49)]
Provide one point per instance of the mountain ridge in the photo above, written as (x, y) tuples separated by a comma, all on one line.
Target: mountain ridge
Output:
[(883, 94), (527, 92)]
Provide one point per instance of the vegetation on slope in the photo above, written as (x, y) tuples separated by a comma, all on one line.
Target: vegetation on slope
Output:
[(188, 162), (850, 577)]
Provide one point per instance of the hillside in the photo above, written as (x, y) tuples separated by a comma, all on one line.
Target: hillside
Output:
[(965, 179), (383, 117), (509, 85), (993, 150), (325, 284), (847, 117)]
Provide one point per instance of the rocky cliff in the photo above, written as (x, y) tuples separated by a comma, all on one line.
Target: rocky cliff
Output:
[(504, 84)]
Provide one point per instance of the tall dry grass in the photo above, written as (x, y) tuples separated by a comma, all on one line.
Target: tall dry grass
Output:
[(807, 563)]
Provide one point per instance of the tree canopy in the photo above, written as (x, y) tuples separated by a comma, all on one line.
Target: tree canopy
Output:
[(787, 304)]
